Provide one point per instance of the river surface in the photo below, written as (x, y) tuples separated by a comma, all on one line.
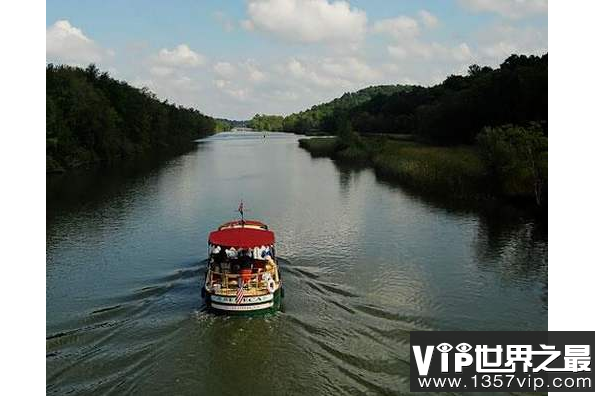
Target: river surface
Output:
[(363, 261)]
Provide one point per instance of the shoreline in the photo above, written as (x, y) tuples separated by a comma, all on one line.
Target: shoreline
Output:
[(457, 172), (53, 167)]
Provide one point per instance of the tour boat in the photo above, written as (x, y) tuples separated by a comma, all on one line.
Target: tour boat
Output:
[(242, 274)]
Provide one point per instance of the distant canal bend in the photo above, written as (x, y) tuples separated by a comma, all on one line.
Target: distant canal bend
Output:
[(364, 263)]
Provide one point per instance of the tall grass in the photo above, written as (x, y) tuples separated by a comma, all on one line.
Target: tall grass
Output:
[(319, 147), (332, 147), (451, 171), (462, 172)]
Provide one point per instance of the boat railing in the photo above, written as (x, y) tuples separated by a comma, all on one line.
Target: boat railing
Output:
[(252, 281)]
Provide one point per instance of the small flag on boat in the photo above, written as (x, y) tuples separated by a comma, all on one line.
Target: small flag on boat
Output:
[(240, 291), (241, 211)]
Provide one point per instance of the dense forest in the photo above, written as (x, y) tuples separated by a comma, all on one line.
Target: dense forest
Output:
[(327, 117), (228, 125), (483, 135), (452, 112), (263, 122), (323, 117), (93, 118)]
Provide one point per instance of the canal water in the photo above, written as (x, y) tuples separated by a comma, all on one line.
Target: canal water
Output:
[(364, 263)]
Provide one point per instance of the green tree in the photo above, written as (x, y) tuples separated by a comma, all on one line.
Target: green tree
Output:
[(93, 118), (516, 155)]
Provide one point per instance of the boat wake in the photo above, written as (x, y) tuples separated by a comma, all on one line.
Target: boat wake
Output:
[(349, 340)]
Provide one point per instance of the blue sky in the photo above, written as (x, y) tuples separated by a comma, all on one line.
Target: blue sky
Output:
[(237, 58)]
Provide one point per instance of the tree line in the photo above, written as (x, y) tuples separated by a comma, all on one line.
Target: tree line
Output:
[(263, 122), (323, 117), (452, 112), (93, 118)]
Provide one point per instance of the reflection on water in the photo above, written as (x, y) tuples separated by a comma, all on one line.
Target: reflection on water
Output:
[(365, 262)]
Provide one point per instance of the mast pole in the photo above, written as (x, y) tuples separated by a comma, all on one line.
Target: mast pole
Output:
[(241, 210)]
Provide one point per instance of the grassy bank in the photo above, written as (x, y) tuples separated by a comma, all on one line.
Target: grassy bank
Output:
[(455, 171), (319, 147), (458, 171)]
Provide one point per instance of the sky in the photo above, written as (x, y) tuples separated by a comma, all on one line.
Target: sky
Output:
[(234, 59)]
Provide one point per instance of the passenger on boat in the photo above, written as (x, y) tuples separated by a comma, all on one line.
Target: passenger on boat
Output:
[(219, 254), (216, 268), (245, 262), (261, 252), (231, 253), (246, 274), (225, 266)]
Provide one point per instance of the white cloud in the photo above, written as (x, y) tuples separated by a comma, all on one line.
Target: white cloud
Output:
[(142, 82), (349, 69), (160, 71), (331, 72), (307, 21), (173, 73), (253, 72), (283, 95), (501, 40), (428, 19), (407, 43), (462, 52), (508, 8), (399, 28), (305, 74), (240, 94), (183, 81), (67, 44), (431, 51), (238, 81), (220, 83), (296, 69), (180, 56), (256, 75), (500, 50), (224, 69)]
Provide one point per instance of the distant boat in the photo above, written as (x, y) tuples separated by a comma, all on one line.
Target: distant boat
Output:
[(242, 275)]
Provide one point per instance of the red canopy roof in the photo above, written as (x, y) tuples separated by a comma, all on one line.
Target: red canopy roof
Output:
[(241, 237), (246, 222)]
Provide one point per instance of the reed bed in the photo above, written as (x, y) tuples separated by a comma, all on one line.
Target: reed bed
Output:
[(453, 171)]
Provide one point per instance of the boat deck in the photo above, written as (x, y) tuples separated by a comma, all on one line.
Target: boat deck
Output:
[(247, 291), (254, 285)]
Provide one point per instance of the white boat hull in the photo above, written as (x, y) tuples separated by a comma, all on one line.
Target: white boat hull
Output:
[(227, 303)]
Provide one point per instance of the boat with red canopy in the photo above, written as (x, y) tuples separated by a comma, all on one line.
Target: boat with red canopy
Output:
[(242, 273)]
